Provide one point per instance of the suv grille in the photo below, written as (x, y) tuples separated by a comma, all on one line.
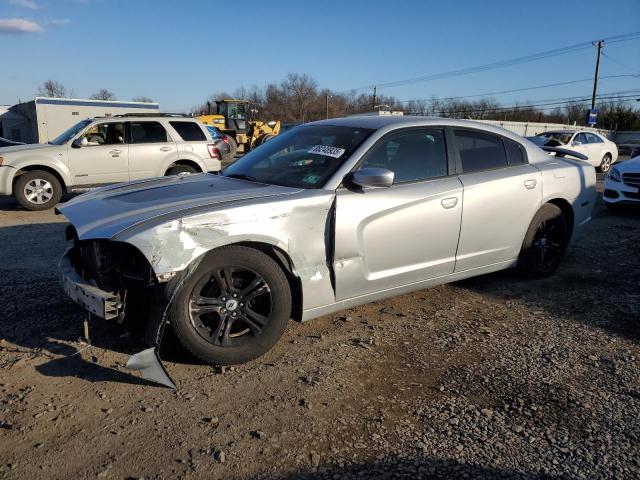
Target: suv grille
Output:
[(631, 179)]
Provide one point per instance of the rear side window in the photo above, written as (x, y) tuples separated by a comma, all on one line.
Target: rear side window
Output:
[(591, 138), (480, 151), (148, 132), (515, 152), (189, 131)]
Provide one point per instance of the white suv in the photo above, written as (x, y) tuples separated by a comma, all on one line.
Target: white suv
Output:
[(100, 151)]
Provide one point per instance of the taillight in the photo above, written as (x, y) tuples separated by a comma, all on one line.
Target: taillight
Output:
[(213, 151)]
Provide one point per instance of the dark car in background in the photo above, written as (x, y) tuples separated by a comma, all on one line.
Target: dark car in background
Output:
[(9, 143), (221, 143)]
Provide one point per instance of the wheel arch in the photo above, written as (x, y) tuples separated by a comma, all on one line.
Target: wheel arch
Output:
[(45, 168), (184, 161), (567, 210)]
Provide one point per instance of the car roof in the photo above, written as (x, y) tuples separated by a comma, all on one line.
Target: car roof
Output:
[(390, 122)]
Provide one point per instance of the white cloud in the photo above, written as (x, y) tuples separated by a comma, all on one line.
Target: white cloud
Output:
[(19, 25), (30, 4)]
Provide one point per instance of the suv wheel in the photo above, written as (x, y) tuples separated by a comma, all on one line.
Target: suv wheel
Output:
[(37, 190), (176, 169)]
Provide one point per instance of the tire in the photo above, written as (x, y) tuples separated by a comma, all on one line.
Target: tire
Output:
[(233, 147), (545, 242), (267, 137), (45, 189), (202, 313), (605, 164), (176, 169)]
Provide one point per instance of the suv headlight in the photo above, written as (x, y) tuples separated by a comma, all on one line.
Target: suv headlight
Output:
[(614, 175)]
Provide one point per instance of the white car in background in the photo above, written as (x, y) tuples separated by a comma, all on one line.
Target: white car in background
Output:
[(622, 185), (602, 153)]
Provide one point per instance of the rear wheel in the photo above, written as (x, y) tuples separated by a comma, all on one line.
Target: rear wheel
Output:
[(37, 190), (233, 308), (545, 242), (605, 164), (176, 169), (233, 147)]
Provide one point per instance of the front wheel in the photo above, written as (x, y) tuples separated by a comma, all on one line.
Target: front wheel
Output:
[(37, 190), (545, 242), (233, 308), (605, 164)]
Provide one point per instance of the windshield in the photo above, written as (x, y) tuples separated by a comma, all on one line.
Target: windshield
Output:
[(304, 157), (70, 133), (561, 138)]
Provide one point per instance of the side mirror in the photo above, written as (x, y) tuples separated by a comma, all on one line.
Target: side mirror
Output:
[(80, 142), (372, 177), (576, 143)]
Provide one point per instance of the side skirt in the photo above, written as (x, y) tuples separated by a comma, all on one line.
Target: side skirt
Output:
[(412, 287)]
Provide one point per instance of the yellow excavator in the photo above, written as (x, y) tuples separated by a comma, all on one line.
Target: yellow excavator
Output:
[(243, 134)]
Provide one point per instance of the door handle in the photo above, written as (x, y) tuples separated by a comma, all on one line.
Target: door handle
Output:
[(115, 151), (449, 202), (530, 184), (165, 149)]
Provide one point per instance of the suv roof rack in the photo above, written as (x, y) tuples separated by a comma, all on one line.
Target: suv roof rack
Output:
[(152, 115)]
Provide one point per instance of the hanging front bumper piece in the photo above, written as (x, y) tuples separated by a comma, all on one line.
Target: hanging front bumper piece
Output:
[(109, 306)]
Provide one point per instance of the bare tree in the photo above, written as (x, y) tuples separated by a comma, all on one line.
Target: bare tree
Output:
[(103, 94), (52, 89), (300, 91), (144, 99)]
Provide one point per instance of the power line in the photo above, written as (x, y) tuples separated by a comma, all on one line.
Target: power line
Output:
[(635, 70), (537, 87), (501, 64)]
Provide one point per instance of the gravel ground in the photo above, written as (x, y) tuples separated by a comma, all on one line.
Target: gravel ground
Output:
[(493, 377)]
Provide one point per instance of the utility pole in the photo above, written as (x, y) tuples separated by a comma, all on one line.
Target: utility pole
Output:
[(373, 105), (599, 44), (327, 104)]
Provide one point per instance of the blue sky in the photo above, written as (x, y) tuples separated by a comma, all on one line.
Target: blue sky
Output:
[(178, 53)]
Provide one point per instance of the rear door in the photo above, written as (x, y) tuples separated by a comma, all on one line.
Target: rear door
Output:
[(151, 149), (406, 233), (105, 158), (502, 192), (194, 141)]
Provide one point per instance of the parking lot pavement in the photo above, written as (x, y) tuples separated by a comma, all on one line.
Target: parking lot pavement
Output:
[(494, 377)]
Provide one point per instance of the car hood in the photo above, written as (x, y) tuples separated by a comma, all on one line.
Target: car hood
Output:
[(105, 212), (22, 148), (629, 166)]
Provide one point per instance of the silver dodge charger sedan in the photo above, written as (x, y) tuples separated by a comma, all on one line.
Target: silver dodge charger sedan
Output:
[(329, 215)]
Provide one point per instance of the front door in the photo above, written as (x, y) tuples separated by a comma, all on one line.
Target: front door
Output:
[(406, 233), (104, 158), (151, 150)]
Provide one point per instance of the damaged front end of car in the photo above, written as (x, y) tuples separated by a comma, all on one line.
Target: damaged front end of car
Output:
[(114, 281)]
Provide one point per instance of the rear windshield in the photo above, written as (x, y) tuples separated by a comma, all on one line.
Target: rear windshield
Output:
[(304, 157)]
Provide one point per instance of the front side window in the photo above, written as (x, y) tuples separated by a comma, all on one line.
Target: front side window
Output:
[(189, 131), (304, 157), (480, 151), (148, 132), (105, 134), (412, 155), (69, 133)]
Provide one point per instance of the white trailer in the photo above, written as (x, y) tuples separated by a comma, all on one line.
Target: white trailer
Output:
[(43, 119)]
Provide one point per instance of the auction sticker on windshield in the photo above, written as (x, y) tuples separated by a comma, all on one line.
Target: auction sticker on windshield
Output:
[(327, 151)]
